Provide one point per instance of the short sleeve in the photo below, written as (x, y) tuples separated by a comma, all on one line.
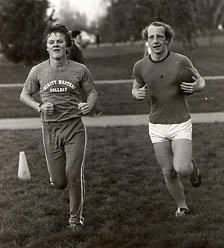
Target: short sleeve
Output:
[(137, 75), (87, 82), (32, 83), (188, 64)]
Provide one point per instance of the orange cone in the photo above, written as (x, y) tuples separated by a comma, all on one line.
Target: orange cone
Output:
[(23, 170)]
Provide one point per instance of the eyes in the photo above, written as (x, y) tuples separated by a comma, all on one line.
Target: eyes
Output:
[(156, 37), (60, 41)]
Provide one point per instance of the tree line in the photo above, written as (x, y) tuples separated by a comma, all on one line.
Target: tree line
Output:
[(126, 18), (23, 22)]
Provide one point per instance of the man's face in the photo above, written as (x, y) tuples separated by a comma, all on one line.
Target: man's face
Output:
[(56, 45), (78, 39), (156, 39)]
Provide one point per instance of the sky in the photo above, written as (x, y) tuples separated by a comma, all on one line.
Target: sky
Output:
[(92, 8)]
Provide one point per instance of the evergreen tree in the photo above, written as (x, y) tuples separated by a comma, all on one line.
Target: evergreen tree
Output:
[(22, 26)]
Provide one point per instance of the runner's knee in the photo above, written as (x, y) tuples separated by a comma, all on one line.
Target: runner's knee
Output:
[(183, 168)]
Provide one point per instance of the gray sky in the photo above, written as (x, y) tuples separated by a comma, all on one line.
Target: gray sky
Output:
[(92, 8)]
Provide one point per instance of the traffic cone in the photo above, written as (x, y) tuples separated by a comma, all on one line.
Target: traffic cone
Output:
[(23, 170)]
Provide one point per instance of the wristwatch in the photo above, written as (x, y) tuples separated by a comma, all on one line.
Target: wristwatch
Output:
[(39, 108)]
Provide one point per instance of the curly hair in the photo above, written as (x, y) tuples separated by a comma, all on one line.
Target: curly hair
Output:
[(58, 28), (169, 33)]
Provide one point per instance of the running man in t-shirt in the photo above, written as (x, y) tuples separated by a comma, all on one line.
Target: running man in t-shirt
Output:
[(59, 82), (170, 126)]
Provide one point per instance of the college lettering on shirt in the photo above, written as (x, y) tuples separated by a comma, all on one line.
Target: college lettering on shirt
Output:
[(57, 86)]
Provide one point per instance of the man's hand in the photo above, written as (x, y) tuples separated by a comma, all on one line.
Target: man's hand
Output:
[(84, 107), (47, 108), (140, 93), (190, 88)]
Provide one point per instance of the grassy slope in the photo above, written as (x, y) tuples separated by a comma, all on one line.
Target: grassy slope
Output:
[(127, 204)]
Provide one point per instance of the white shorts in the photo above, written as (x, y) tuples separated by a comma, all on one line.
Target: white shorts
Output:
[(165, 132)]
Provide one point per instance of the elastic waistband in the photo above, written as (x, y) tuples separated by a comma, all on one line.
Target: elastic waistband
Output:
[(58, 123)]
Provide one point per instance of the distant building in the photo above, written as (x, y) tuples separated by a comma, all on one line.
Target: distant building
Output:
[(220, 27), (87, 38)]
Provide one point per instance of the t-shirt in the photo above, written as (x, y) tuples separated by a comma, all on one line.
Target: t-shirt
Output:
[(76, 54), (168, 103), (61, 87)]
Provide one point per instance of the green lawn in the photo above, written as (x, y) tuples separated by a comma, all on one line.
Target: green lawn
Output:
[(116, 99), (116, 62), (111, 63), (127, 204)]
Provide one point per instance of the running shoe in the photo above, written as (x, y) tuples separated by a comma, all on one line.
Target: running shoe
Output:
[(182, 212), (76, 223), (195, 176), (50, 181)]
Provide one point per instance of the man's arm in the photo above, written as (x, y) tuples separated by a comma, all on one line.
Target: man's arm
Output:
[(92, 98), (199, 83), (26, 97), (138, 91), (87, 84), (86, 107)]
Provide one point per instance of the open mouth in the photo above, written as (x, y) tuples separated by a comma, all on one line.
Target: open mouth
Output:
[(156, 47), (56, 49)]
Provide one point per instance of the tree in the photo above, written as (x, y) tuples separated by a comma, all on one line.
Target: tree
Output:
[(129, 17), (22, 26), (210, 15), (124, 20), (72, 18), (182, 15)]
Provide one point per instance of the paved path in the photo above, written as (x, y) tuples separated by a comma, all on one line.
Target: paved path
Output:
[(105, 121)]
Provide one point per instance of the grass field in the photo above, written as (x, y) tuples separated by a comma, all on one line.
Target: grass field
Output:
[(116, 99), (127, 204), (116, 62), (111, 63)]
